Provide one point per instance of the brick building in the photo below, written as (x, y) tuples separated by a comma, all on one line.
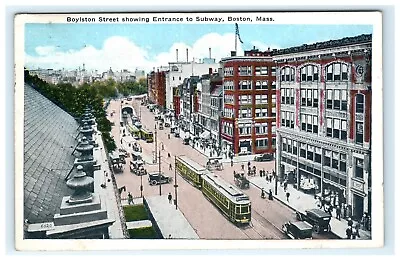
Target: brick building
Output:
[(324, 118), (156, 87), (249, 116)]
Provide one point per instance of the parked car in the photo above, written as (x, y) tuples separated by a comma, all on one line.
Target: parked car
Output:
[(319, 219), (298, 230), (138, 125), (186, 141), (266, 157), (167, 124), (155, 179), (176, 134)]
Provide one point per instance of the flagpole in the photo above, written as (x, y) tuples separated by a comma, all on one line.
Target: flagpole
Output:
[(235, 40)]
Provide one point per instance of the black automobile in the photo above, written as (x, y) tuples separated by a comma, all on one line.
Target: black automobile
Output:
[(176, 134), (155, 179), (167, 124), (266, 157), (186, 141), (319, 219), (298, 230)]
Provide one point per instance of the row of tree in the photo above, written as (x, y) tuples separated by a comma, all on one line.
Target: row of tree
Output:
[(75, 99)]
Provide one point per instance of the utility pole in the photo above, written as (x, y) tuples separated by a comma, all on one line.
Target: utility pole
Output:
[(176, 188), (159, 169), (155, 148)]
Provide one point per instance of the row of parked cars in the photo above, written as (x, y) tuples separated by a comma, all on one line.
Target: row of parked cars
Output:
[(313, 220)]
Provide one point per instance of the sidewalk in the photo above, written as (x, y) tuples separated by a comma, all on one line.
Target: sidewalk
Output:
[(169, 220), (300, 201)]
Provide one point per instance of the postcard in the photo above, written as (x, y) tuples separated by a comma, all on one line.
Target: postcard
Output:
[(242, 130)]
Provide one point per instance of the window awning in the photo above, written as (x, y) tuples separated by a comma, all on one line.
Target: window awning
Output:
[(205, 135)]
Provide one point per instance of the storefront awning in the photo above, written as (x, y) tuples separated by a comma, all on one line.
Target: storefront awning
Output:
[(205, 135)]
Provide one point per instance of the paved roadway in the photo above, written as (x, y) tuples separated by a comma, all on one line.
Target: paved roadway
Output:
[(208, 222)]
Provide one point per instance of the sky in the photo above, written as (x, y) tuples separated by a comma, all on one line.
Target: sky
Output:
[(144, 46)]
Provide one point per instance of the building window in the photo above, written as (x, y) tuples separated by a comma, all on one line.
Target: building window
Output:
[(309, 73), (244, 129), (173, 78), (309, 97), (310, 153), (273, 86), (294, 148), (261, 99), (228, 71), (273, 71), (228, 85), (327, 158), (245, 99), (287, 74), (287, 96), (309, 123), (336, 128), (342, 167), (303, 148), (359, 132), (262, 143), (337, 72), (336, 99), (317, 155), (359, 168), (245, 71), (228, 113), (360, 103), (245, 85), (245, 113)]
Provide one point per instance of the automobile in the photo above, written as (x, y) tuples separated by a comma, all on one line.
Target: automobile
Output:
[(123, 152), (298, 230), (129, 99), (266, 157), (167, 124), (155, 179), (186, 141), (160, 126), (176, 134), (134, 119), (138, 124), (319, 219)]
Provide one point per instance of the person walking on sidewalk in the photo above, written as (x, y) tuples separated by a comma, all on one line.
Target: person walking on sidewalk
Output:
[(287, 196), (338, 211), (348, 232), (130, 198), (170, 198), (162, 146), (231, 162), (170, 167), (285, 186)]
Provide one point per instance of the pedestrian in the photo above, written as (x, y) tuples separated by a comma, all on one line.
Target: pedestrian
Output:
[(260, 173), (170, 167), (170, 198), (243, 167), (121, 141), (231, 163), (248, 164), (169, 137), (348, 232), (365, 221), (287, 196), (169, 155), (162, 146), (344, 210), (285, 186), (357, 229), (130, 198), (270, 197), (349, 222), (338, 213)]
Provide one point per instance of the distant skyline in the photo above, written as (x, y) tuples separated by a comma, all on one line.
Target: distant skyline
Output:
[(144, 46)]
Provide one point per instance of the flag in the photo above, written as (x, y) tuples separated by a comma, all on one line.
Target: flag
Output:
[(237, 32)]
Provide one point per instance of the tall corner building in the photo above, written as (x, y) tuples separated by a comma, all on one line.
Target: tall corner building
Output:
[(249, 95), (324, 117)]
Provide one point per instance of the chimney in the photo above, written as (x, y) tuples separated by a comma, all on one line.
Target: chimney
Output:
[(209, 52), (210, 71), (254, 47), (187, 55), (177, 55)]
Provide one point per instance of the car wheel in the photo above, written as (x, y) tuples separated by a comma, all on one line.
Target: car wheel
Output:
[(153, 182), (316, 228)]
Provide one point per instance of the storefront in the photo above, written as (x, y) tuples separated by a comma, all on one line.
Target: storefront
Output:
[(245, 147)]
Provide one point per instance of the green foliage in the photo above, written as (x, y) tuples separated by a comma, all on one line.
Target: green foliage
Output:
[(135, 213), (143, 233), (132, 87)]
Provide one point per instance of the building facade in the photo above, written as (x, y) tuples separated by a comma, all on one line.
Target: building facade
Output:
[(324, 118), (156, 87), (249, 117), (179, 70)]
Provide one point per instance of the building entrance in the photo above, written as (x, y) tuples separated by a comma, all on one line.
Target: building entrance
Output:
[(358, 204)]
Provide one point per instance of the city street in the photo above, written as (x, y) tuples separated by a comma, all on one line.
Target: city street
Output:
[(267, 216)]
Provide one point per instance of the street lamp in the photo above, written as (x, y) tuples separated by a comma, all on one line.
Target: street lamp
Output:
[(176, 188), (159, 169), (141, 185)]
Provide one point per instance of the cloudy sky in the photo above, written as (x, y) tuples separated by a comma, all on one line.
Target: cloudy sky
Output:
[(144, 46)]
